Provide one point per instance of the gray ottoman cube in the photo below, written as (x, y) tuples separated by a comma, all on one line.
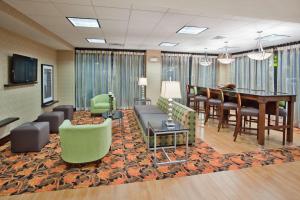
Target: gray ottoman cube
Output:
[(67, 109), (31, 136), (55, 119)]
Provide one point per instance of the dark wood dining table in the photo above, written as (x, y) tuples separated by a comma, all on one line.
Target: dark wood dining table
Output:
[(267, 103)]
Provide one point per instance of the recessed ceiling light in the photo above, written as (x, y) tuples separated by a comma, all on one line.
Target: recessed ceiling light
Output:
[(94, 40), (84, 22), (191, 30), (274, 37), (167, 44)]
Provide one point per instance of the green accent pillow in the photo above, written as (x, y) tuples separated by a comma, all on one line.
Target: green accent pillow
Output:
[(282, 104), (195, 90)]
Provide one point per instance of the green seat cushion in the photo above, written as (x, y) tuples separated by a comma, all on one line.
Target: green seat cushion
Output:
[(101, 105)]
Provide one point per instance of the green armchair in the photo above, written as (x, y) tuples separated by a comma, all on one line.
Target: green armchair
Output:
[(100, 104), (85, 143)]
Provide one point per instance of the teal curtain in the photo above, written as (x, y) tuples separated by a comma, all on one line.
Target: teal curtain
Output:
[(203, 75), (100, 72), (289, 75), (127, 68), (175, 67), (93, 74), (250, 74)]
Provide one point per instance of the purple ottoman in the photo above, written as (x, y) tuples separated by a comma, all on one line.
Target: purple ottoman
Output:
[(31, 136), (67, 109), (55, 119)]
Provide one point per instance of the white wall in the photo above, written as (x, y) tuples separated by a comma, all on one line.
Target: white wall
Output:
[(66, 77), (153, 73)]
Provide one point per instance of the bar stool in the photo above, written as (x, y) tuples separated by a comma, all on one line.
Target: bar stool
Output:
[(282, 112), (225, 109), (243, 113), (215, 98), (201, 97), (190, 95)]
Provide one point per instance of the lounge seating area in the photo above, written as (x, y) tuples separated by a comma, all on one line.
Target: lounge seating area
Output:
[(127, 99)]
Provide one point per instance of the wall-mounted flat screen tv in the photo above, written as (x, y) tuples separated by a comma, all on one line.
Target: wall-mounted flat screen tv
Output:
[(24, 69)]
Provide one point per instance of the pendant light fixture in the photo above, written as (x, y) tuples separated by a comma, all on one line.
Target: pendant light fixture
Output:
[(261, 54), (205, 61), (225, 59)]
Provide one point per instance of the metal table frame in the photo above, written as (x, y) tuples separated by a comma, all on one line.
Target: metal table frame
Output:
[(155, 148)]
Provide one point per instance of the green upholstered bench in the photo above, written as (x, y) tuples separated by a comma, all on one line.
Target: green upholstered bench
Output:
[(155, 114)]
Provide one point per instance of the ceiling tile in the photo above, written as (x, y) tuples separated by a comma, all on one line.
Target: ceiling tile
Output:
[(145, 16), (148, 7), (60, 21), (113, 27), (76, 10), (74, 2), (34, 7), (113, 3), (112, 13)]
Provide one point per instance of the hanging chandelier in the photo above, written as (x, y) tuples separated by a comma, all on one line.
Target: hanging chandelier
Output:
[(205, 61), (261, 54), (225, 59)]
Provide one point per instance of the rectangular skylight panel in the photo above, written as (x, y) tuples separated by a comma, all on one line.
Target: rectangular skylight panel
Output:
[(191, 30), (98, 41), (84, 22), (167, 44)]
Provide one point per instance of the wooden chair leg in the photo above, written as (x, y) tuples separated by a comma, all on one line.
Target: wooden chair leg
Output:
[(244, 127), (207, 111), (269, 123), (237, 129), (220, 116)]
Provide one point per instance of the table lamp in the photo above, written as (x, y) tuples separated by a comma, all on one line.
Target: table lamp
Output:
[(143, 83), (170, 90)]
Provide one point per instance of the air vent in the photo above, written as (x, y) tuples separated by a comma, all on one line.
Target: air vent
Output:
[(116, 44), (219, 37)]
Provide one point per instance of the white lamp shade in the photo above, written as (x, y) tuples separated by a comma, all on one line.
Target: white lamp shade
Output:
[(142, 81), (261, 55), (226, 61), (170, 89)]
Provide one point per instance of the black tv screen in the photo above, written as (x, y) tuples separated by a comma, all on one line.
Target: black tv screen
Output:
[(24, 69)]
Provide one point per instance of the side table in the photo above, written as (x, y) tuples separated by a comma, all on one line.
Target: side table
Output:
[(164, 130)]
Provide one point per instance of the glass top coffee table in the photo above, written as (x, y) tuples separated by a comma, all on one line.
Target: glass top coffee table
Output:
[(162, 129), (115, 115)]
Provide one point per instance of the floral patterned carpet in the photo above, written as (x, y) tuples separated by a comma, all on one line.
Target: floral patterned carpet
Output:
[(127, 162)]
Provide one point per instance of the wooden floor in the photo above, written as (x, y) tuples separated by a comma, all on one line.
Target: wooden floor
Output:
[(223, 141), (269, 182)]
